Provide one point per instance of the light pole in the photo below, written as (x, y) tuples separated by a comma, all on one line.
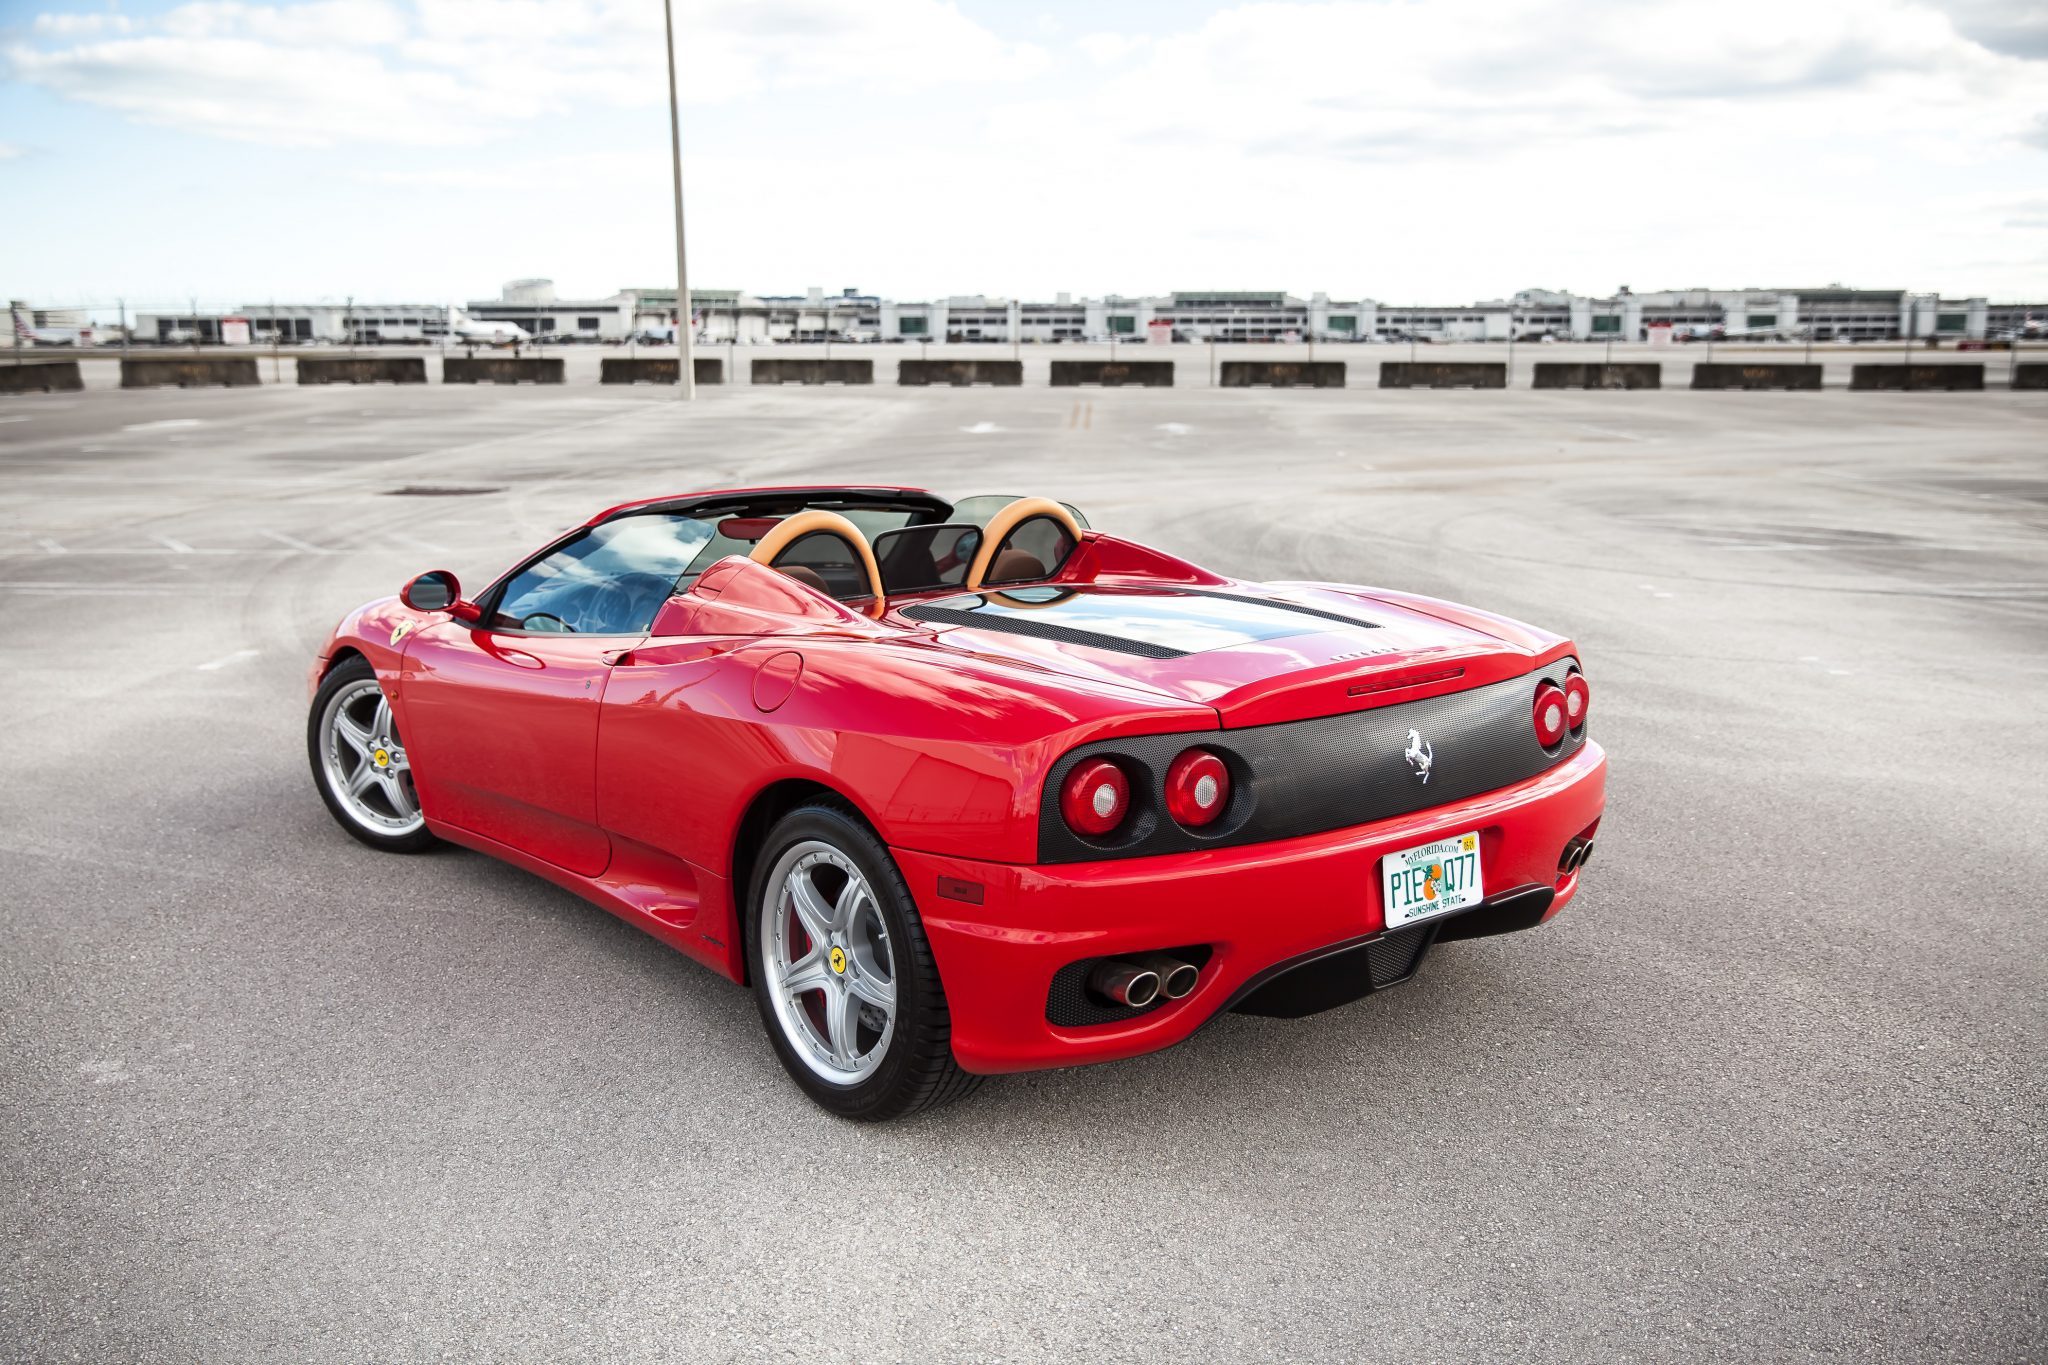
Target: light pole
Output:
[(686, 365)]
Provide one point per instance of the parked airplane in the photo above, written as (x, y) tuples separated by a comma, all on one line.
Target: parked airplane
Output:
[(463, 327), (27, 334)]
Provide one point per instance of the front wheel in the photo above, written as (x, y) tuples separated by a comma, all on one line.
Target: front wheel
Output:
[(359, 762), (843, 974)]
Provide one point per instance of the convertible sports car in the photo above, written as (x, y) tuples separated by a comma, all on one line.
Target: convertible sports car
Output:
[(963, 788)]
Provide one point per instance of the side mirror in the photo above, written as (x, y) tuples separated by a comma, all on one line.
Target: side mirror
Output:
[(435, 590)]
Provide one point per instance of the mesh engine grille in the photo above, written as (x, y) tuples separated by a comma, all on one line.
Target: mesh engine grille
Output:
[(1011, 625)]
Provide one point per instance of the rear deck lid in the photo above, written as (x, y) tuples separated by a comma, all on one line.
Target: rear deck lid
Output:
[(1257, 655)]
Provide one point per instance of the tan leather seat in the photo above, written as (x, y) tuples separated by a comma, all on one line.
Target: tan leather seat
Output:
[(806, 575)]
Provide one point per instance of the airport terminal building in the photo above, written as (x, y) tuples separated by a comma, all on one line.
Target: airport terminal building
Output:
[(1833, 313)]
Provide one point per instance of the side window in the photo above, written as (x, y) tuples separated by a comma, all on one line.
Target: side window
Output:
[(608, 581), (1034, 550)]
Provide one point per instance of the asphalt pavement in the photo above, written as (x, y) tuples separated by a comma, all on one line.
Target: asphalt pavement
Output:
[(1772, 1087)]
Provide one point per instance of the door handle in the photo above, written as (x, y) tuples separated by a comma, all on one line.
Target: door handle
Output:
[(618, 658)]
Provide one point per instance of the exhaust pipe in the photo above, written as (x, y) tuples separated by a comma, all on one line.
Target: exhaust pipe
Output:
[(1574, 855), (1177, 979), (1125, 983), (1586, 853)]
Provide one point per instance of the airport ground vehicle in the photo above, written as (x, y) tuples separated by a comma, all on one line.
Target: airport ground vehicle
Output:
[(966, 787)]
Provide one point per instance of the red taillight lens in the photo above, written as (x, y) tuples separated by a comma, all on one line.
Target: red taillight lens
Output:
[(1577, 697), (1096, 797), (1197, 788), (1550, 715)]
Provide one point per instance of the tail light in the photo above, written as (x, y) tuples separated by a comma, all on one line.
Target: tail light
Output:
[(1095, 797), (1550, 715), (1197, 788), (1577, 697)]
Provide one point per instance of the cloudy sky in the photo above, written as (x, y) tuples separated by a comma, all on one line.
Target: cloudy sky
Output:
[(1404, 150)]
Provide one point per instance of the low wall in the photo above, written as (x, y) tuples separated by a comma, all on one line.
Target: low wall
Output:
[(1443, 374), (1949, 378), (1282, 374), (628, 369), (41, 376), (2030, 374), (1007, 374), (186, 372), (362, 369), (1564, 374), (501, 369), (814, 372), (1720, 376), (1148, 374)]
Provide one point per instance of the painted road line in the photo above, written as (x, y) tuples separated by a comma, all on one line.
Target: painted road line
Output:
[(224, 660), (303, 547), (176, 547)]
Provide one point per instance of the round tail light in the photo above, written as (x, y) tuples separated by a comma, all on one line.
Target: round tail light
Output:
[(1096, 797), (1577, 697), (1197, 788), (1550, 715)]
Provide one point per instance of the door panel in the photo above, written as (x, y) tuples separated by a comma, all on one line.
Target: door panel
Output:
[(501, 731)]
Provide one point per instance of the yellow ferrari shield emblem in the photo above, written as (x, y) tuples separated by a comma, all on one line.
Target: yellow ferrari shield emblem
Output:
[(838, 960), (382, 758)]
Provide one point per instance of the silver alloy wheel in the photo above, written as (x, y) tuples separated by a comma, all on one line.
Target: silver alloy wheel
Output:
[(831, 971), (364, 762)]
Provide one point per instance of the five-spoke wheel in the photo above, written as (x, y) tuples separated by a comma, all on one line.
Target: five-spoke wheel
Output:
[(360, 761), (842, 971)]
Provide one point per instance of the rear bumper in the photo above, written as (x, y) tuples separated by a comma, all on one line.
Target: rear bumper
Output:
[(1261, 909)]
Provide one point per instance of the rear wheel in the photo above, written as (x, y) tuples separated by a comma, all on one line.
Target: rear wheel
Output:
[(843, 974), (359, 761)]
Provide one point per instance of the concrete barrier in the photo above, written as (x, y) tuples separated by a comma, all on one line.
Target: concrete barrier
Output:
[(631, 369), (362, 369), (1565, 374), (1918, 378), (1282, 374), (2030, 374), (186, 372), (1443, 374), (1004, 374), (1146, 374), (501, 369), (1719, 376), (814, 372), (41, 376)]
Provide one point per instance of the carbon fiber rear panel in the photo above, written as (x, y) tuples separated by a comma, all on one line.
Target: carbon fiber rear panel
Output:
[(1308, 776)]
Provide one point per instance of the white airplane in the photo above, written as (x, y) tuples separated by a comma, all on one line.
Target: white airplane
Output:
[(463, 327)]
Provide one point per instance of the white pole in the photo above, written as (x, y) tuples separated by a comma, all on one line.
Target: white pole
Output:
[(686, 365)]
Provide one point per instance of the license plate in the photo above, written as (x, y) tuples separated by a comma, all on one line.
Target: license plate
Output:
[(1431, 879)]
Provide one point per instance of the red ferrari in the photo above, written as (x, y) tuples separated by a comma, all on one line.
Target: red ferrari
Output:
[(962, 788)]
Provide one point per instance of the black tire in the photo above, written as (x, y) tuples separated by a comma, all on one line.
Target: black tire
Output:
[(918, 1071), (346, 674)]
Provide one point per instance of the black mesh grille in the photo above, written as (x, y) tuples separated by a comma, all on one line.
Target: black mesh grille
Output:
[(1012, 625), (1069, 1003), (1307, 776), (1393, 958), (1249, 600)]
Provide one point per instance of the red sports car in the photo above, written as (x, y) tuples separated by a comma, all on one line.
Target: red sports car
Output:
[(963, 788)]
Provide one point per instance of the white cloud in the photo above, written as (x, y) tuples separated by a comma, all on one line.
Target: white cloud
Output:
[(453, 71), (8, 151), (1105, 49)]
